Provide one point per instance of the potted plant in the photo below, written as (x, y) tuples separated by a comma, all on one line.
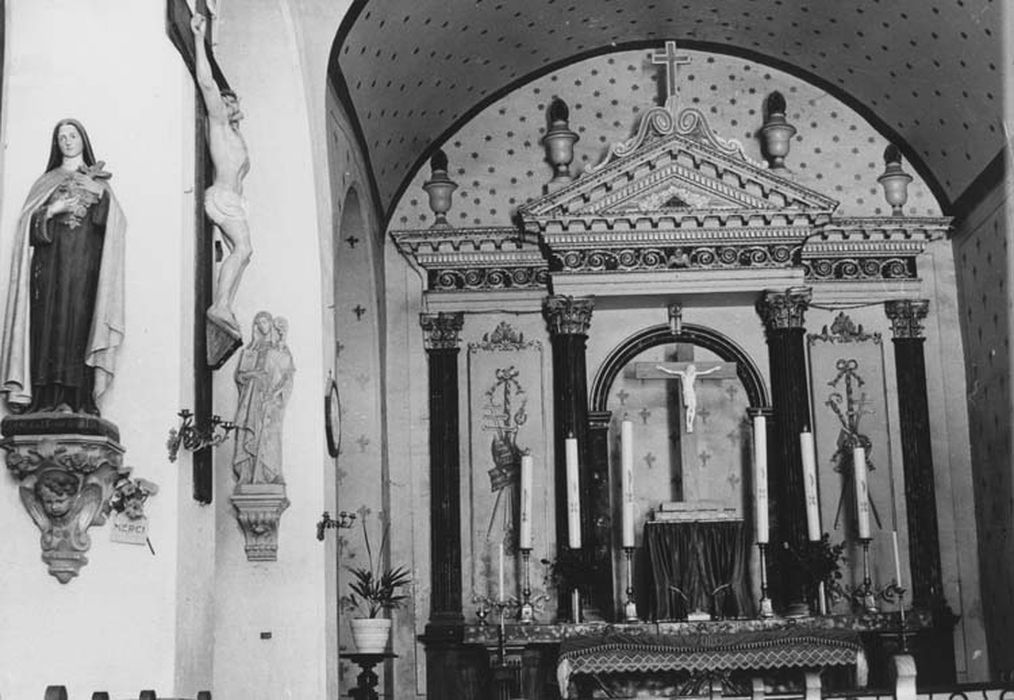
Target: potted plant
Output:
[(375, 590)]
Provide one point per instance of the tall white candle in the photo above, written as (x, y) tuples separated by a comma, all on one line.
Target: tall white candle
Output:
[(573, 496), (627, 480), (897, 559), (862, 493), (760, 478), (525, 536), (499, 592), (810, 485)]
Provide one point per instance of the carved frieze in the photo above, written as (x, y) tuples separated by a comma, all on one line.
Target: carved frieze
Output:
[(782, 310), (441, 330), (690, 257), (906, 316), (66, 483), (870, 249), (567, 315), (475, 259)]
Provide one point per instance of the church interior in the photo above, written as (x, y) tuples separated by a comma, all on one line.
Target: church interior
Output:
[(589, 349)]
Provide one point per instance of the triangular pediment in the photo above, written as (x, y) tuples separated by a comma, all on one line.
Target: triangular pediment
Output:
[(677, 166)]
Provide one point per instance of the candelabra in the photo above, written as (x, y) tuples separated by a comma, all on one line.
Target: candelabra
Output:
[(766, 609), (326, 522), (889, 594), (630, 607), (190, 437)]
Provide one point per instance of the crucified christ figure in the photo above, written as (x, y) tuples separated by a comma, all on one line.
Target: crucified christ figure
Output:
[(688, 390), (223, 201)]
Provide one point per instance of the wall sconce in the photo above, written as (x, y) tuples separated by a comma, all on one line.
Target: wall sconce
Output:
[(776, 133), (190, 437), (344, 521), (439, 187), (559, 143), (894, 180)]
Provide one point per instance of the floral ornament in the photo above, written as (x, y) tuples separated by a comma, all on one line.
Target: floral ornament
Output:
[(129, 496)]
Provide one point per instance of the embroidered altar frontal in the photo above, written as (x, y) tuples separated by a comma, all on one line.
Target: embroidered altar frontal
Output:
[(763, 649)]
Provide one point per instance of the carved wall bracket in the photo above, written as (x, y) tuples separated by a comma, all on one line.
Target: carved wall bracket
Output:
[(66, 481), (259, 509)]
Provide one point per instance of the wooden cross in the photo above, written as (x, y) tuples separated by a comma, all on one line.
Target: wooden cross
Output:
[(687, 478), (672, 62)]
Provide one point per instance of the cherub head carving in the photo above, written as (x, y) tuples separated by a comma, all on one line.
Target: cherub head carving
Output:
[(56, 491)]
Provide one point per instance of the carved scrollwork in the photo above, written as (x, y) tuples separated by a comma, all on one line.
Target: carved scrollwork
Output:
[(488, 278), (678, 257), (66, 483), (860, 268)]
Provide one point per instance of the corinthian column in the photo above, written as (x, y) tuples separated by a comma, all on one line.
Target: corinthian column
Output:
[(783, 314), (913, 408), (568, 320), (441, 340)]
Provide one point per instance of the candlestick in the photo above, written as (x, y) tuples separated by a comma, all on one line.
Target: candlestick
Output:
[(867, 598), (526, 612), (760, 478), (573, 495), (525, 534), (862, 493), (766, 609), (810, 485), (630, 607), (627, 481), (897, 560)]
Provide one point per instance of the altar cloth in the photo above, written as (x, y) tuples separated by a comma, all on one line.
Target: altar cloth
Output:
[(761, 649)]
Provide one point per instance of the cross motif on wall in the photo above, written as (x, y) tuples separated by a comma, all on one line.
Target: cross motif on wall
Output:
[(672, 62), (359, 311), (352, 240)]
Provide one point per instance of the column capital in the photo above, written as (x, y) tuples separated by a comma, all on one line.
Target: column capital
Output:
[(906, 316), (440, 330), (783, 310), (567, 315)]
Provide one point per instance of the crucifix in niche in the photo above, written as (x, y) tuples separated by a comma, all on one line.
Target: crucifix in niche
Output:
[(686, 412)]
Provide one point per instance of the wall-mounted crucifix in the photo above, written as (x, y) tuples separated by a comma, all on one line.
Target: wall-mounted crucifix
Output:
[(672, 61), (209, 352), (684, 411)]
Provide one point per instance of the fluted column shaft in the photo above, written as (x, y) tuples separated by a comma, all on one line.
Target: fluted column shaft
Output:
[(783, 315), (441, 339), (913, 409)]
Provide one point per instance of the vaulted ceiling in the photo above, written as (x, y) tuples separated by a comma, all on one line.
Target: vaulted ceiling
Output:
[(927, 73)]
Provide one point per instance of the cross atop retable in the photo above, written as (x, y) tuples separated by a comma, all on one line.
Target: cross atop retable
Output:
[(672, 61)]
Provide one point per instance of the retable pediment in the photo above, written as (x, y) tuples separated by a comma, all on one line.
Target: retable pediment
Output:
[(678, 166)]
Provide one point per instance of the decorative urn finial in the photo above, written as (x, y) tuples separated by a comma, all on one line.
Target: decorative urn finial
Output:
[(439, 187), (559, 143), (776, 133), (894, 180)]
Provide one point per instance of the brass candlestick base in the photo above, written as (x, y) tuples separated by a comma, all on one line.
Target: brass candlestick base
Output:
[(865, 594), (526, 611), (766, 608), (630, 607)]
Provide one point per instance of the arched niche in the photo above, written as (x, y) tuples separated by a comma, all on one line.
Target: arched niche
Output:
[(680, 476), (690, 333)]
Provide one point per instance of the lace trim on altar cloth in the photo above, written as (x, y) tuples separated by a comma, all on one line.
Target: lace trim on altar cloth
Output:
[(764, 649)]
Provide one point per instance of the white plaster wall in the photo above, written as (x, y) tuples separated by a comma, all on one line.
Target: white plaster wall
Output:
[(110, 65), (271, 618)]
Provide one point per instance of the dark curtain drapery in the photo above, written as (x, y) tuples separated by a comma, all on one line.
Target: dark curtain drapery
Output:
[(698, 566)]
